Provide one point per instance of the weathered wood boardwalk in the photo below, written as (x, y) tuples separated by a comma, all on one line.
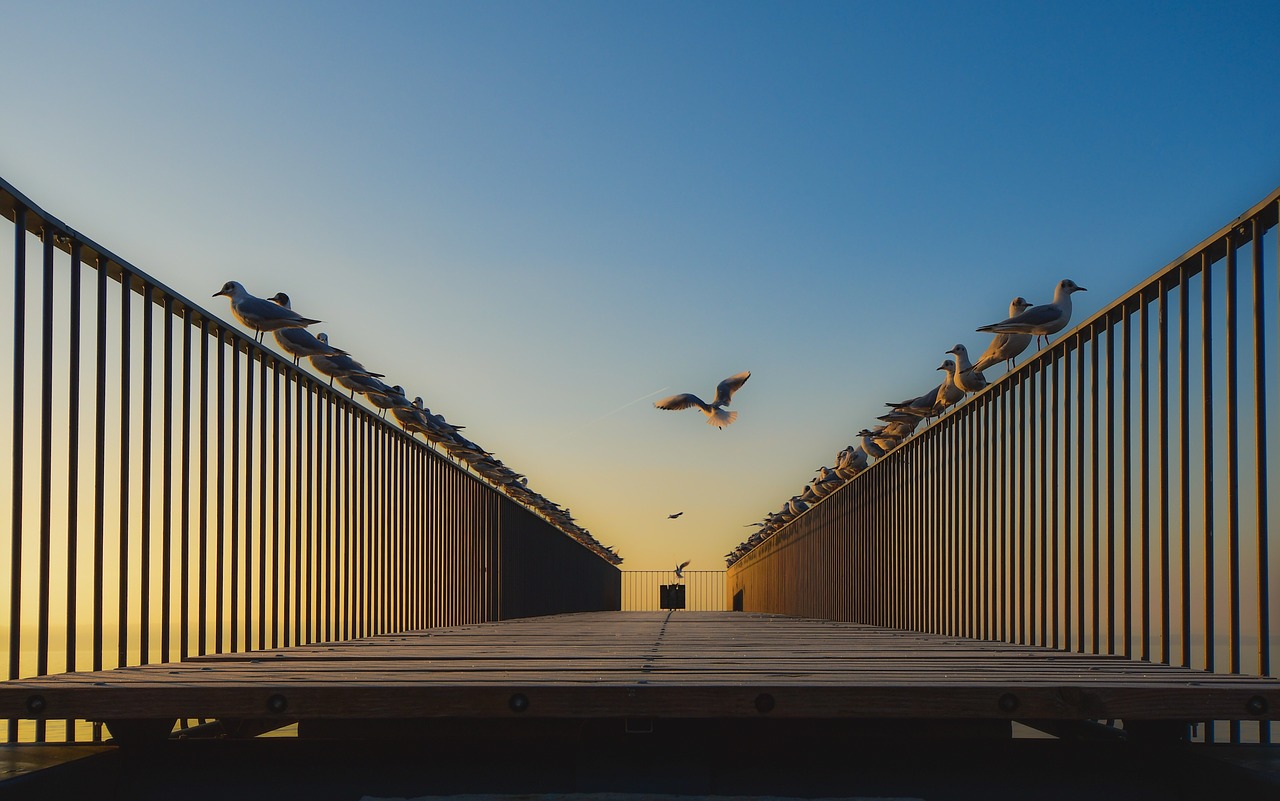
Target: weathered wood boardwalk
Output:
[(649, 665)]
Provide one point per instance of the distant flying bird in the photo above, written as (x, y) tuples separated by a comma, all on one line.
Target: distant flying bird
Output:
[(674, 516), (1041, 321), (298, 342), (1005, 347), (716, 415), (258, 313), (680, 568)]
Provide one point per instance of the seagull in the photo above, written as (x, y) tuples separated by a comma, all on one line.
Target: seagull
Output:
[(339, 366), (260, 314), (948, 392), (680, 568), (1041, 321), (870, 446), (1005, 347), (674, 516), (967, 378), (298, 342), (716, 415), (921, 405)]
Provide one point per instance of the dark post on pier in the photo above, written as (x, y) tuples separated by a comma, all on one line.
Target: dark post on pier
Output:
[(208, 544)]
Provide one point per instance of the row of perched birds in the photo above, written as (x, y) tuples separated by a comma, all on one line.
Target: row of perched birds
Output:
[(276, 315), (962, 376)]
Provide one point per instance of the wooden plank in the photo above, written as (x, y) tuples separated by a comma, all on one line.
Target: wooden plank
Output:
[(651, 665)]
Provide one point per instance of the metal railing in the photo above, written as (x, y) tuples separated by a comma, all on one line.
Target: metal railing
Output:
[(174, 488), (1110, 495), (704, 589)]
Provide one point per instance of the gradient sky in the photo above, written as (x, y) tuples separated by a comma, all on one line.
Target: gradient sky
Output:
[(541, 216)]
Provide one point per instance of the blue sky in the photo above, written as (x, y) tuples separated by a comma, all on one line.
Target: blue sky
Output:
[(533, 214)]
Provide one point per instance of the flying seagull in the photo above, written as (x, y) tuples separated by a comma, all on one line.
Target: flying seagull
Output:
[(680, 568), (1041, 321), (674, 516), (716, 415), (258, 313)]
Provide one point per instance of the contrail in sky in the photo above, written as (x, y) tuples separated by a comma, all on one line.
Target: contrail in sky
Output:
[(623, 406)]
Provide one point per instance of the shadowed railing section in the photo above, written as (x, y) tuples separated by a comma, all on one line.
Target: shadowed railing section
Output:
[(174, 488), (1110, 495), (704, 590)]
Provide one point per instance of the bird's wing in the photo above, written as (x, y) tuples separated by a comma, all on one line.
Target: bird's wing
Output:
[(683, 401), (1036, 315), (684, 564), (726, 388)]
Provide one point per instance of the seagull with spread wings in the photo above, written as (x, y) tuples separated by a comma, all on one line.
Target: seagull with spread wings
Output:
[(680, 568), (716, 415), (674, 516)]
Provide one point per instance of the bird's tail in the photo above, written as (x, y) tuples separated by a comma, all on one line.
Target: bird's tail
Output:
[(721, 418)]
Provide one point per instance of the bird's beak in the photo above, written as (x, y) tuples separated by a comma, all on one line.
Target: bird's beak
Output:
[(216, 294), (1081, 289)]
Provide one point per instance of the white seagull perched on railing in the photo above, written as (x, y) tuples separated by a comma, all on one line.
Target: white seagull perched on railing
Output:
[(298, 342), (258, 313), (1041, 321), (1006, 347), (716, 415), (965, 377)]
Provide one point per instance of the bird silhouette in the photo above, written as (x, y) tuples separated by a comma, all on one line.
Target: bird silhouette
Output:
[(674, 516), (716, 415), (680, 568)]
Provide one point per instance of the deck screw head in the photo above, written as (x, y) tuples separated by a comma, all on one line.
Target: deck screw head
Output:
[(277, 703), (36, 705), (1008, 702), (765, 703), (519, 702), (1257, 705)]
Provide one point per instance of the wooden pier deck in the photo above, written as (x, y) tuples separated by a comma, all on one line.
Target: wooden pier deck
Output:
[(648, 665)]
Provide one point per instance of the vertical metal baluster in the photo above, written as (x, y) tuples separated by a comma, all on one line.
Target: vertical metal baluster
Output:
[(184, 543), (1206, 353), (1039, 501), (45, 543), (126, 293), (1080, 490), (1184, 451), (1144, 472), (292, 389), (1163, 413), (306, 547), (1110, 595), (1094, 494), (234, 591), (252, 354), (279, 562), (19, 405), (202, 552), (1063, 407), (1126, 461), (263, 391), (1260, 461), (166, 502), (73, 467), (144, 577), (1233, 470), (1021, 535), (220, 528), (328, 518), (1054, 489), (100, 468)]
